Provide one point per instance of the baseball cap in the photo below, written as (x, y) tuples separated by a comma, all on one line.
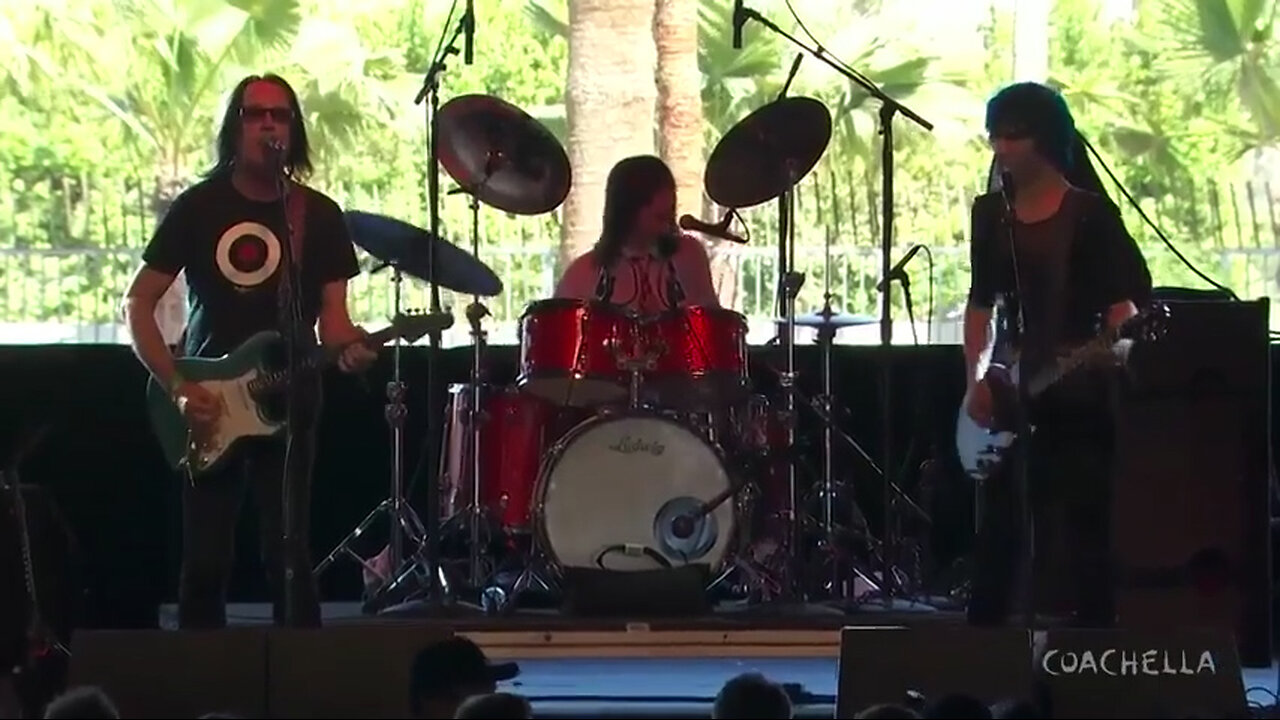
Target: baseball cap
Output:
[(441, 667)]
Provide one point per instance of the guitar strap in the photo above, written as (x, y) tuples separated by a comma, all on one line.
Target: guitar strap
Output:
[(296, 207)]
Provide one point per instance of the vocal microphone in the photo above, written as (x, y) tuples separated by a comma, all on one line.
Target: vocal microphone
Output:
[(739, 19), (897, 272), (1007, 190), (469, 32), (719, 230)]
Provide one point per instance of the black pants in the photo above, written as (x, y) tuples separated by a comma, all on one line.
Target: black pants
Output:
[(1069, 476), (210, 509)]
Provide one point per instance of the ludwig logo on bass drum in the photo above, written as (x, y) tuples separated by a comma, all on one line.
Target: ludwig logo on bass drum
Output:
[(628, 445)]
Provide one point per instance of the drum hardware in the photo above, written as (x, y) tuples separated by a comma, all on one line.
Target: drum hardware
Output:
[(424, 563), (763, 157), (888, 109), (403, 522), (501, 156)]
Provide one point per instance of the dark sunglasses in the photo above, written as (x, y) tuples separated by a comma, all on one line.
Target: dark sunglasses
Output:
[(1011, 133), (258, 114)]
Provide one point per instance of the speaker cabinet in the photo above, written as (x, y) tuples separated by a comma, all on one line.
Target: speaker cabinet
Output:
[(1191, 507), (1140, 674), (886, 664), (345, 671), (175, 673)]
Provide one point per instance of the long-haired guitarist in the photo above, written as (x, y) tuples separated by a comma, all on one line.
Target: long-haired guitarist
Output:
[(226, 234), (1073, 270)]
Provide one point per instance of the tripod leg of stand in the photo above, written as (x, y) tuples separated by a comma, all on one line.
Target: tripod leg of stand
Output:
[(344, 547), (505, 601)]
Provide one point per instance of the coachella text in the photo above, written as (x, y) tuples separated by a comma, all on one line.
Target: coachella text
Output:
[(1119, 663)]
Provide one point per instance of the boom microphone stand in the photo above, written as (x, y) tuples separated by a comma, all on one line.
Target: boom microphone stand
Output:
[(888, 108), (436, 593)]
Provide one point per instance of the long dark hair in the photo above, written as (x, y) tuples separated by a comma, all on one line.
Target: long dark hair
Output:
[(632, 184), (298, 161), (1042, 112)]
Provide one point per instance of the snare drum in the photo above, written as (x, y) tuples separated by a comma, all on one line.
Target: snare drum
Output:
[(567, 352), (615, 493), (513, 434), (702, 361)]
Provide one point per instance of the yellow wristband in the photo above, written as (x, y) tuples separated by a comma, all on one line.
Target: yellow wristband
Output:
[(174, 383)]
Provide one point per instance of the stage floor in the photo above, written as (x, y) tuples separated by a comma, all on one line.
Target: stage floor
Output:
[(665, 668)]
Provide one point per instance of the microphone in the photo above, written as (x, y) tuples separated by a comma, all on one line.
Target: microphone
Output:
[(469, 32), (739, 19), (1007, 190), (795, 67), (897, 271), (719, 230)]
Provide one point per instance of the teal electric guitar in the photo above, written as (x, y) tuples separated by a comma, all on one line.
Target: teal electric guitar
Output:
[(247, 390)]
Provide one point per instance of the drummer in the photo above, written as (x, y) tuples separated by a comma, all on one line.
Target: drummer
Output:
[(642, 261)]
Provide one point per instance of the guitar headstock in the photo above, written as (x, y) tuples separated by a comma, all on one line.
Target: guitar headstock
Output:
[(412, 325), (1150, 324)]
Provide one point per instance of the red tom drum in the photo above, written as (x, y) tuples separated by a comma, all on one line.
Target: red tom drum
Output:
[(701, 357), (567, 352), (515, 429)]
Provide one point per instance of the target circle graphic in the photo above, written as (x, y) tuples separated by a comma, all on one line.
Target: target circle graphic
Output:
[(248, 254)]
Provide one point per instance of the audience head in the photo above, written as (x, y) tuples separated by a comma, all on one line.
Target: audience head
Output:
[(446, 673), (888, 711), (1017, 709), (958, 705), (751, 695), (494, 706), (81, 703)]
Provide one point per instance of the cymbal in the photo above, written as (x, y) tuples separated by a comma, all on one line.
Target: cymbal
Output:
[(834, 321), (502, 155), (750, 164), (400, 244)]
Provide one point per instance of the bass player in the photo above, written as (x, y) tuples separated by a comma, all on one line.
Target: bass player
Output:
[(226, 233), (1074, 269)]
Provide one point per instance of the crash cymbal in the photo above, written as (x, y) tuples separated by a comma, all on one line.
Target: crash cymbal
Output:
[(834, 321), (501, 155), (768, 152), (398, 243)]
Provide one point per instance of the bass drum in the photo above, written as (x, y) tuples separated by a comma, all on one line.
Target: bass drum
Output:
[(618, 493)]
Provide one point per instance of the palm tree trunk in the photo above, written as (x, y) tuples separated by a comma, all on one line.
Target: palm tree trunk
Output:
[(680, 126), (609, 103)]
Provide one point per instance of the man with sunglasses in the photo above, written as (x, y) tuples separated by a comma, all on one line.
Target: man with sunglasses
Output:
[(1061, 254), (227, 234)]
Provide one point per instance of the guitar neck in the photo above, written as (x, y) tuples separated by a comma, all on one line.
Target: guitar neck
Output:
[(324, 357), (1063, 366)]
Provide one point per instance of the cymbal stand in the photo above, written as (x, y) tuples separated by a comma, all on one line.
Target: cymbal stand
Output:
[(425, 561), (400, 514), (826, 339), (475, 417), (889, 108), (789, 284)]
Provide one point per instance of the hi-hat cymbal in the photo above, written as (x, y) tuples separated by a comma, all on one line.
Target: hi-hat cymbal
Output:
[(768, 152), (834, 321), (405, 246), (502, 155)]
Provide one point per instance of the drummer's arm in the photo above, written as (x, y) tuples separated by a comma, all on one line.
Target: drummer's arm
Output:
[(699, 289), (578, 281)]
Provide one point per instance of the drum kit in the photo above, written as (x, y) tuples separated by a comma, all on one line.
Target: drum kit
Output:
[(627, 443)]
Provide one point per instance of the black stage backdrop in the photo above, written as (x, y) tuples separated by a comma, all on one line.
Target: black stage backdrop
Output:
[(103, 469)]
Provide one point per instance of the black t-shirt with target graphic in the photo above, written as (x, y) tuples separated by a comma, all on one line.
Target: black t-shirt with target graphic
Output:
[(231, 249)]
